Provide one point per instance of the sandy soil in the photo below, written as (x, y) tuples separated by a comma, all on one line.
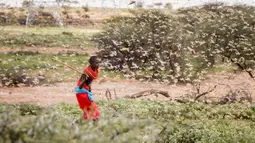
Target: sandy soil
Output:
[(46, 95), (51, 94)]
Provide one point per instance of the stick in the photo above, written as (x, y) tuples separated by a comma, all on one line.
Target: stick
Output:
[(67, 65), (202, 94), (148, 92), (108, 94)]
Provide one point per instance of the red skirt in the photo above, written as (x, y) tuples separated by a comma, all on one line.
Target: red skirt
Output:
[(90, 109)]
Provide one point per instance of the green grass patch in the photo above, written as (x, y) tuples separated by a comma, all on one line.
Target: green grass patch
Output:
[(47, 30), (129, 121), (46, 37), (42, 65), (35, 65), (9, 62), (57, 40)]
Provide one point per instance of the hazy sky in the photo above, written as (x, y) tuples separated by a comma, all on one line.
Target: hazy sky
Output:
[(124, 3)]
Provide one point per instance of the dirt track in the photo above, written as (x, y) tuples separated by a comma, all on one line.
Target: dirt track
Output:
[(46, 95)]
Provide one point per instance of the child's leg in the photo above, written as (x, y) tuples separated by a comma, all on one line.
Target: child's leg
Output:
[(86, 115), (93, 111)]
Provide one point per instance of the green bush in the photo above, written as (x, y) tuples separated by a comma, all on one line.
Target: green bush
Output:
[(127, 121), (225, 32), (146, 44), (180, 46), (207, 132)]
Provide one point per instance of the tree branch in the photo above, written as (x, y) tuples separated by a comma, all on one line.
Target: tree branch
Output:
[(242, 68), (148, 92), (204, 93)]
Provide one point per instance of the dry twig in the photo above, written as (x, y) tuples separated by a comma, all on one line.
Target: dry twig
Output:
[(108, 94), (147, 93), (204, 93)]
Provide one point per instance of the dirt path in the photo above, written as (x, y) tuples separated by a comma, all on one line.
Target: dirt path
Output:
[(46, 95)]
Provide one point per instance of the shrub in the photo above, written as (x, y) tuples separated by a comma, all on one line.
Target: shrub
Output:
[(44, 19), (147, 44), (222, 31), (180, 47), (129, 122), (85, 16), (85, 8)]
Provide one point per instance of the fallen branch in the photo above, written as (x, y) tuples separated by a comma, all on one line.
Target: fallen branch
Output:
[(147, 93), (181, 100), (204, 93)]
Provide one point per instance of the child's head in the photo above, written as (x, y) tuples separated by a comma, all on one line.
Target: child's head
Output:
[(94, 61)]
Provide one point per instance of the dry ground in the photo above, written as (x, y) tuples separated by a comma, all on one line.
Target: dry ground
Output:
[(51, 94), (46, 95)]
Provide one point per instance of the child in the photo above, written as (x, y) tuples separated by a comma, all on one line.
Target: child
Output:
[(83, 91)]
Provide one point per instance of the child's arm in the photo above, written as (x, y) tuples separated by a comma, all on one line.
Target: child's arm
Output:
[(83, 80)]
